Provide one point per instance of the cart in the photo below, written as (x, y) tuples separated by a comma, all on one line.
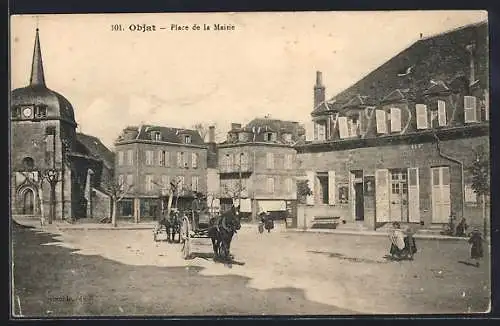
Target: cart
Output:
[(192, 228)]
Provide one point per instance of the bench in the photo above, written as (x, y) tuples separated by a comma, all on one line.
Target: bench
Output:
[(325, 222)]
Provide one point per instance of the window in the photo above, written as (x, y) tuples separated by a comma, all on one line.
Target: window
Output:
[(321, 130), (180, 184), (180, 159), (28, 163), (149, 182), (161, 158), (121, 180), (165, 181), (470, 109), (167, 159), (441, 113), (343, 128), (381, 121), (195, 180), (270, 185), (156, 135), (130, 179), (395, 120), (288, 161), (120, 157), (187, 139), (421, 112), (289, 185), (287, 137), (270, 160), (16, 112), (242, 136), (130, 157), (230, 162), (194, 160), (353, 124), (149, 157), (244, 161), (270, 136), (40, 111)]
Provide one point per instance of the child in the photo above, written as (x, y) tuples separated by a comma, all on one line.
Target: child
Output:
[(476, 249)]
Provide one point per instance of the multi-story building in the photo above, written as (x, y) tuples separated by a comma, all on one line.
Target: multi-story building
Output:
[(54, 170), (258, 165), (149, 159), (396, 146)]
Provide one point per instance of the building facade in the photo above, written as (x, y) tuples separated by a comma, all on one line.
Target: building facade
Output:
[(150, 159), (54, 170), (398, 144), (258, 165)]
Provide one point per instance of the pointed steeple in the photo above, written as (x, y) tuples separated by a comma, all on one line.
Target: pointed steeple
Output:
[(37, 76)]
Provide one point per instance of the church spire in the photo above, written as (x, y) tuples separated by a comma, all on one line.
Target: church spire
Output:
[(37, 76)]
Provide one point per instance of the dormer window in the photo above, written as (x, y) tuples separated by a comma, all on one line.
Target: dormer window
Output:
[(187, 139), (156, 135), (287, 137), (470, 113), (269, 136), (243, 136)]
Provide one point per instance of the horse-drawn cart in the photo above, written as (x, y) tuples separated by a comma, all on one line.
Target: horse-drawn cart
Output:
[(195, 225)]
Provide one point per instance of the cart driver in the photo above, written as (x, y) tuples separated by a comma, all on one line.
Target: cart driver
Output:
[(197, 208)]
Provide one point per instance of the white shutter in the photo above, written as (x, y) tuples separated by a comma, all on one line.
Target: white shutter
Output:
[(160, 158), (382, 195), (167, 159), (120, 154), (130, 179), (381, 121), (441, 113), (395, 120), (130, 157), (194, 160), (343, 129), (311, 177), (179, 159), (270, 161), (332, 193), (413, 195), (470, 108), (120, 180), (422, 121), (315, 131)]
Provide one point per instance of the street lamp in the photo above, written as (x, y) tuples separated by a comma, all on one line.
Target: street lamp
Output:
[(52, 176)]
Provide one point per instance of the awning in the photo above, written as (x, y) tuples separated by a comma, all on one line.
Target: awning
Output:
[(271, 205)]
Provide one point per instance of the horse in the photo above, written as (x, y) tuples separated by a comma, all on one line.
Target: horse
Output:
[(221, 231), (172, 226)]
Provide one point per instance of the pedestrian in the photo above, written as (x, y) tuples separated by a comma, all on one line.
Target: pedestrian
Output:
[(461, 228), (476, 249)]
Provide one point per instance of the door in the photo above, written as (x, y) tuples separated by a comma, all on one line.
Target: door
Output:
[(399, 196), (360, 205), (382, 195), (28, 202), (441, 203)]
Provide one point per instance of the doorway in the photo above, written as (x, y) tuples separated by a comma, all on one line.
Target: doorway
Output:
[(399, 196), (28, 198), (359, 202)]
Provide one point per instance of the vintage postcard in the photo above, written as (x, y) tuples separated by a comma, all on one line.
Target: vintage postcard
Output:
[(237, 164)]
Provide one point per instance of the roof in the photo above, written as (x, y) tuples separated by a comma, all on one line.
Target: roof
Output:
[(168, 134), (259, 126), (441, 57), (95, 148)]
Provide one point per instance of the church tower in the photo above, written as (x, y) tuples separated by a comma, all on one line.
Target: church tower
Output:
[(43, 131)]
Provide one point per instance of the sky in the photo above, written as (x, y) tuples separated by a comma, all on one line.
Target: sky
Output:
[(265, 66)]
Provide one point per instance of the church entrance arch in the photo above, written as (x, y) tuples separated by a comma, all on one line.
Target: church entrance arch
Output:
[(27, 201)]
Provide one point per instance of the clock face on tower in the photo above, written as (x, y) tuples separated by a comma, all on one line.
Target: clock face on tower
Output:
[(27, 111)]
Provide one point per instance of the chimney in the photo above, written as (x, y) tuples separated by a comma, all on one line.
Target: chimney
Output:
[(319, 89), (472, 76), (211, 134), (235, 126)]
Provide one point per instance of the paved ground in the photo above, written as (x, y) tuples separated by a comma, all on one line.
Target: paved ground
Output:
[(121, 272)]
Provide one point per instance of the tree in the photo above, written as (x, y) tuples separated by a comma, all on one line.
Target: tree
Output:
[(232, 190), (303, 191), (117, 190), (202, 129), (480, 170)]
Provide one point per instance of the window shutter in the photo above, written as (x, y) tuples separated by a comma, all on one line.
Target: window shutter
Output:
[(120, 155), (441, 113), (167, 159), (470, 109), (130, 179), (315, 131), (194, 160), (331, 188), (343, 129), (120, 180), (413, 195), (422, 121), (179, 159), (160, 158), (382, 195), (270, 161), (311, 178), (395, 120), (381, 121)]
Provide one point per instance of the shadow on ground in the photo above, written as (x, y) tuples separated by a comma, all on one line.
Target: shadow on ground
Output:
[(350, 259), (51, 280)]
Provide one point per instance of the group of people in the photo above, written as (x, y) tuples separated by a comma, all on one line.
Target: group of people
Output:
[(403, 244)]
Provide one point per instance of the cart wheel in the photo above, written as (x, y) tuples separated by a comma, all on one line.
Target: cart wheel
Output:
[(185, 238)]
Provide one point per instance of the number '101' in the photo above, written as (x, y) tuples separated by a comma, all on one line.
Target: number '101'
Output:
[(116, 27)]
